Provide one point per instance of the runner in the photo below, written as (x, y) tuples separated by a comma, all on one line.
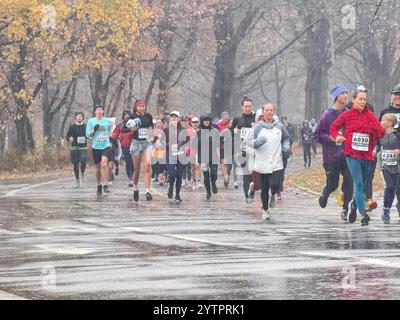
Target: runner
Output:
[(361, 132), (313, 125), (187, 174), (269, 139), (141, 147), (389, 150), (394, 108), (124, 135), (192, 154), (208, 159), (223, 126), (98, 129), (306, 140), (334, 160), (158, 167), (241, 126), (76, 135), (174, 145)]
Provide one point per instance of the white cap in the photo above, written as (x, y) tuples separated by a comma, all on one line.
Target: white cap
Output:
[(175, 113), (195, 119)]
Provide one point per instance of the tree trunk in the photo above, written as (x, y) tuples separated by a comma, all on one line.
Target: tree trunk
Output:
[(25, 140), (316, 92)]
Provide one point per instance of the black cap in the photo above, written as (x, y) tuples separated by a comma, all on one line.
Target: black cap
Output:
[(396, 89), (79, 113)]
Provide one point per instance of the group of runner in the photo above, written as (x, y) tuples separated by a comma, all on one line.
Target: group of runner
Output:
[(173, 149)]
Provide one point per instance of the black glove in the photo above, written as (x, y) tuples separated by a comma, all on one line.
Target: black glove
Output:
[(96, 127)]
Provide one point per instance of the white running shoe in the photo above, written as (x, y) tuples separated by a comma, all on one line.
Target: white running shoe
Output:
[(199, 185), (266, 216)]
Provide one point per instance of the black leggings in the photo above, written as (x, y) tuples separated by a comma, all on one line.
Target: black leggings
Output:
[(210, 171), (175, 172), (307, 154), (268, 181)]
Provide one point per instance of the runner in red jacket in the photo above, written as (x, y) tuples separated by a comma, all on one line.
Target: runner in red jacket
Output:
[(359, 129)]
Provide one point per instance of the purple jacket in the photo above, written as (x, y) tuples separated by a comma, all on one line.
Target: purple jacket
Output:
[(331, 152)]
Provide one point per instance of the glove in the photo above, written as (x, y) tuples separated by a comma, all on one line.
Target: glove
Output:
[(96, 127)]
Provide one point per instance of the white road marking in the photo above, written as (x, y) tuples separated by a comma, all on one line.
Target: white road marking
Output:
[(13, 192), (63, 249)]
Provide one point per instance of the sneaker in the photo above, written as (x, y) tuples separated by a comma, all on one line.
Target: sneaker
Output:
[(106, 189), (117, 171), (236, 186), (371, 205), (194, 185), (148, 196), (365, 220), (214, 188), (178, 199), (208, 197), (170, 193), (266, 216), (248, 200), (161, 184), (323, 201), (386, 216), (252, 195), (77, 183), (83, 179), (340, 200), (184, 183), (99, 190), (278, 196), (130, 184), (136, 195), (352, 215), (344, 215), (199, 185), (272, 202)]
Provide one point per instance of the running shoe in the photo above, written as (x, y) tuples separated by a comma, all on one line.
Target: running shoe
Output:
[(248, 200), (278, 196), (344, 215), (386, 216), (136, 195), (352, 215), (371, 205), (130, 184), (106, 189), (236, 186), (148, 196), (178, 199), (199, 185), (117, 171), (194, 185), (226, 182), (99, 190), (323, 201), (266, 216), (365, 220), (252, 195), (208, 197)]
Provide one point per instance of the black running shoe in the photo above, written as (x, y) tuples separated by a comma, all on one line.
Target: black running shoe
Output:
[(323, 201), (208, 197), (178, 199), (136, 196), (117, 171), (99, 190), (106, 189), (344, 215), (214, 188), (170, 193), (352, 216), (365, 220), (148, 196)]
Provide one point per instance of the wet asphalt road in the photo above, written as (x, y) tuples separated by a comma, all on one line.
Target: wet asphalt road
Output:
[(59, 242)]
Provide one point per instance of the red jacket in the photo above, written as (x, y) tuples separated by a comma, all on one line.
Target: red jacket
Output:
[(124, 135), (364, 122)]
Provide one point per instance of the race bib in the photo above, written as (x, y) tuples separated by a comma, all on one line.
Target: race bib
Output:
[(175, 150), (102, 138), (389, 158), (81, 140), (143, 133), (360, 142), (243, 132)]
